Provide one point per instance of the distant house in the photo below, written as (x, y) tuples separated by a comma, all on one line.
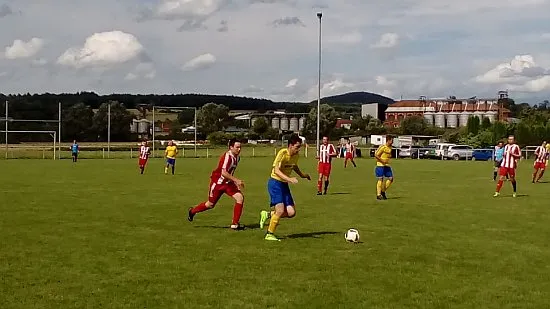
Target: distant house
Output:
[(343, 123)]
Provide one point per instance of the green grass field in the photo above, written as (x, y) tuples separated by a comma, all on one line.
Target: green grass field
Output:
[(96, 234)]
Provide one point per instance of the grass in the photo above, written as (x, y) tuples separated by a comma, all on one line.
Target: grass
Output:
[(96, 234)]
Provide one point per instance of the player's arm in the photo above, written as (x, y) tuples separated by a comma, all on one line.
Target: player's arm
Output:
[(332, 151), (516, 153), (277, 169), (378, 155), (297, 170), (228, 175)]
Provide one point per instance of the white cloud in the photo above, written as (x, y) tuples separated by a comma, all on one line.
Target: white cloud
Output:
[(144, 70), (40, 61), (387, 40), (350, 38), (201, 62), (103, 49), (291, 83), (21, 49), (181, 9)]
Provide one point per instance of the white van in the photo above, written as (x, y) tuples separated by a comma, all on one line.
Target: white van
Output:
[(441, 149)]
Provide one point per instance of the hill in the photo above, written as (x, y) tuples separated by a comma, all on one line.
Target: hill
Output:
[(360, 97)]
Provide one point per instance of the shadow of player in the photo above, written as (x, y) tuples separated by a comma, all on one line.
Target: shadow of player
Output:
[(310, 235)]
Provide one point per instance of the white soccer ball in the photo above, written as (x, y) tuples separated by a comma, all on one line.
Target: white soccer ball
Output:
[(352, 235)]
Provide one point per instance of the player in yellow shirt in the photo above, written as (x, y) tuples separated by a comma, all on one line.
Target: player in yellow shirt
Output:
[(383, 169), (547, 153), (171, 152), (279, 191)]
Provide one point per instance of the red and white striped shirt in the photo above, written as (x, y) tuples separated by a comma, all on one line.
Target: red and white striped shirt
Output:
[(541, 155), (511, 155), (144, 152), (326, 152), (227, 162)]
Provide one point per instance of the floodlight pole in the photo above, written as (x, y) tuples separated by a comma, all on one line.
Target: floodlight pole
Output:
[(195, 121), (6, 129), (320, 16), (59, 132), (153, 131), (109, 130)]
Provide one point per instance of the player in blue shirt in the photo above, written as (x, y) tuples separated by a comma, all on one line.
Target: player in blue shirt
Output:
[(75, 149), (499, 154)]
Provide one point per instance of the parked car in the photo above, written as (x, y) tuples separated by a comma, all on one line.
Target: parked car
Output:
[(408, 151), (423, 152), (482, 154), (441, 150), (460, 152)]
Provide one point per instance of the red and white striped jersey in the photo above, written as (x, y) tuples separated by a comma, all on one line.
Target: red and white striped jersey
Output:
[(144, 152), (511, 155), (326, 152), (541, 155), (227, 162)]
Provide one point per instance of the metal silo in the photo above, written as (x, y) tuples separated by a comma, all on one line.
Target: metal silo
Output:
[(275, 123), (429, 117), (452, 120), (284, 123), (253, 120), (134, 126), (143, 126), (294, 124), (302, 123), (464, 116), (479, 115), (492, 115), (440, 120)]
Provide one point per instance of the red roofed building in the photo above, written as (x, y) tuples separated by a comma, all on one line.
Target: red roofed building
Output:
[(343, 123), (446, 113)]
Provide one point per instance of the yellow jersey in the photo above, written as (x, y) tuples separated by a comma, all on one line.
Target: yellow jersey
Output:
[(548, 147), (171, 152), (384, 152), (285, 162)]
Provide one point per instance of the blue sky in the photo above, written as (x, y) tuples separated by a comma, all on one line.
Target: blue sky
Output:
[(268, 48)]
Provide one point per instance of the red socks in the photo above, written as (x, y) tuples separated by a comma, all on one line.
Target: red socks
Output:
[(199, 208), (237, 212), (499, 185), (319, 186)]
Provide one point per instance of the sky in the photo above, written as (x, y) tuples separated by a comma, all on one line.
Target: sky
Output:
[(269, 48)]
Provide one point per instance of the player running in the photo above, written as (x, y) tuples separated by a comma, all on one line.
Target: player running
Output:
[(75, 150), (509, 164), (171, 152), (541, 159), (281, 199), (223, 181), (383, 169), (326, 153), (499, 153), (144, 153), (350, 153)]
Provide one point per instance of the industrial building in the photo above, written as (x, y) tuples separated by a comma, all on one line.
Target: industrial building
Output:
[(281, 121), (450, 112), (375, 110)]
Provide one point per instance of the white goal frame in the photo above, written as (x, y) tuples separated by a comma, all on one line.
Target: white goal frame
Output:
[(173, 108), (52, 134)]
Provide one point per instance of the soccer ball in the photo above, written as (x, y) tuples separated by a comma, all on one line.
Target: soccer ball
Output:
[(352, 235)]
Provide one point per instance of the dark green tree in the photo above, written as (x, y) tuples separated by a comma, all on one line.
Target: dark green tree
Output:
[(413, 125), (485, 123), (327, 122), (77, 123), (260, 126), (186, 117), (473, 125), (120, 122), (212, 117)]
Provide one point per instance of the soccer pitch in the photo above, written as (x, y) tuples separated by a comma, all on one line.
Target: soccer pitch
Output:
[(96, 234)]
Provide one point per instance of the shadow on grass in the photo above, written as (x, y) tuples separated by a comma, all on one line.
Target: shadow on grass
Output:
[(340, 193), (310, 235), (226, 227), (519, 195)]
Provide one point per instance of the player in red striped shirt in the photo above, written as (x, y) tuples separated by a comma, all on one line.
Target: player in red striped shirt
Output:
[(350, 153), (326, 153), (541, 157), (144, 153), (512, 153), (223, 181)]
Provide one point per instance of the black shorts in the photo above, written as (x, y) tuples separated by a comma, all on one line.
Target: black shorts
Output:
[(497, 163), (75, 154)]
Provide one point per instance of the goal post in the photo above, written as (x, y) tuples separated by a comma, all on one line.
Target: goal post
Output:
[(53, 134), (174, 108)]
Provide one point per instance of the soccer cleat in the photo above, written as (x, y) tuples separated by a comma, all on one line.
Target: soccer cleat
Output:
[(319, 193), (325, 193), (496, 194), (264, 217), (514, 194), (383, 194), (237, 227), (190, 214), (379, 197), (272, 237)]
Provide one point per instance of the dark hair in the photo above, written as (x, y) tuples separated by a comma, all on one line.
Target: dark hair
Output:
[(389, 137), (294, 139), (232, 142)]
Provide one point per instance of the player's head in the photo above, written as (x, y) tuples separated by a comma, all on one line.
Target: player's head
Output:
[(325, 140), (511, 139), (500, 144), (389, 140), (74, 141), (169, 143), (346, 140), (144, 143), (234, 146), (294, 144), (543, 143)]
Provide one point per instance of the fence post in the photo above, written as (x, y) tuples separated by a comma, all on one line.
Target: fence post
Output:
[(183, 152), (207, 151), (131, 153), (43, 153), (103, 150)]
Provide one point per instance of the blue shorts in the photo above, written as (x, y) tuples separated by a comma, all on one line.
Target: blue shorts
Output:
[(279, 193), (383, 171), (170, 161)]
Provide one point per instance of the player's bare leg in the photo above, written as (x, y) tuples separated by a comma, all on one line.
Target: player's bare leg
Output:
[(237, 211), (540, 174), (353, 162), (535, 173), (320, 184), (141, 169)]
